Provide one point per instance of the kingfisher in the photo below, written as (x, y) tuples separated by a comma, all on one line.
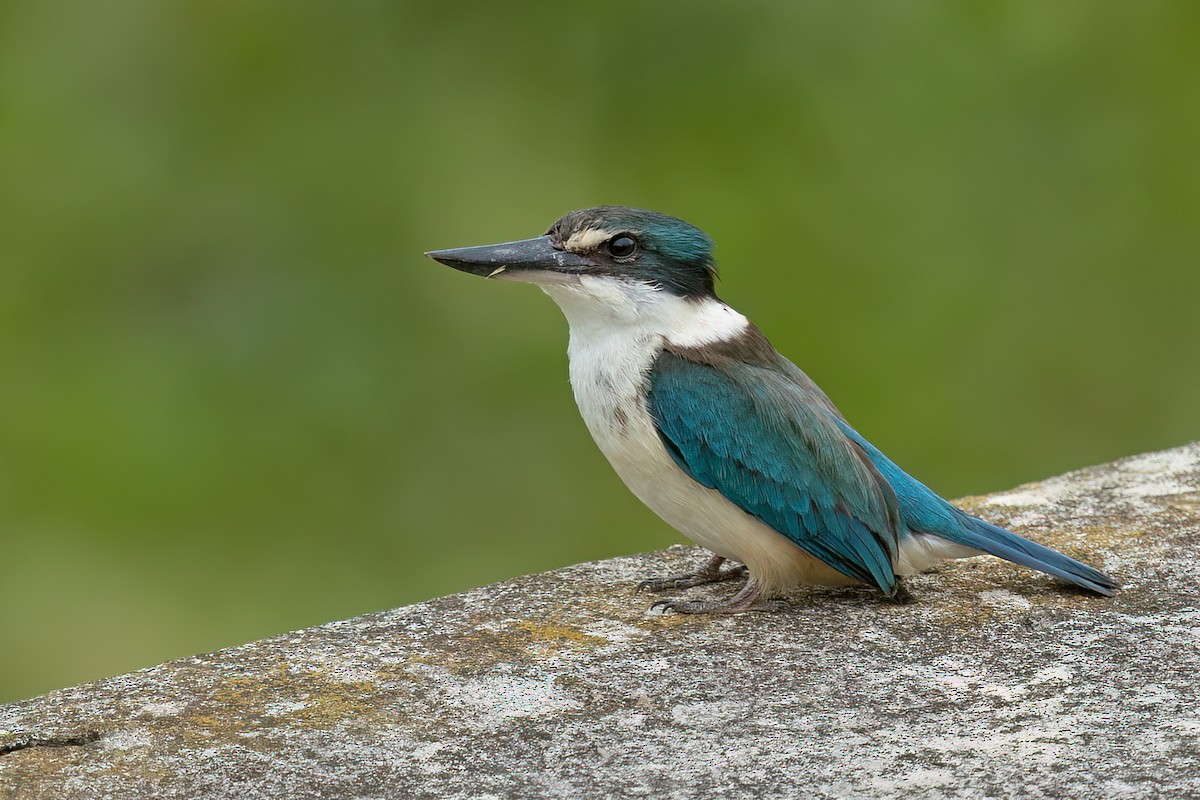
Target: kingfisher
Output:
[(721, 436)]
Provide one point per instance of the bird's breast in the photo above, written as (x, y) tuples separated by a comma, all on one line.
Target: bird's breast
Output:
[(608, 377), (609, 381)]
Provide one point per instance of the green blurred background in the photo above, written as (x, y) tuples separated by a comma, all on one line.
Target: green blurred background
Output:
[(236, 400)]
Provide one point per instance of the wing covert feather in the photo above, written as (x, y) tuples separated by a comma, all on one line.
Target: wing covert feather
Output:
[(773, 446)]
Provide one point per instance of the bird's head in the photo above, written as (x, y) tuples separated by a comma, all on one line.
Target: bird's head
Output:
[(623, 244)]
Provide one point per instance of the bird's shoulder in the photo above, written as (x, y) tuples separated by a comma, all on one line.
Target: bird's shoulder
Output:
[(746, 355)]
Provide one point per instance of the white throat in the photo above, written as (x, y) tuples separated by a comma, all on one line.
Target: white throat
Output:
[(603, 307), (618, 328)]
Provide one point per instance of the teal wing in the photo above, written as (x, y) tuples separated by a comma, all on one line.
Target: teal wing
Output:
[(774, 447)]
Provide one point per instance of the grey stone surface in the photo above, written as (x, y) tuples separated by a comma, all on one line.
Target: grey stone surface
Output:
[(998, 683)]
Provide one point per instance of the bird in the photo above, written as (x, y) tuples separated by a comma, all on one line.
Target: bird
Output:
[(723, 437)]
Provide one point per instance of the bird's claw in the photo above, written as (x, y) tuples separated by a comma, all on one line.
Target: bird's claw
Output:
[(666, 584), (688, 580), (682, 606)]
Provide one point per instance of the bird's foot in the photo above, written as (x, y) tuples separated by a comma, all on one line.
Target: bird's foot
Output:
[(748, 599), (709, 573), (902, 597)]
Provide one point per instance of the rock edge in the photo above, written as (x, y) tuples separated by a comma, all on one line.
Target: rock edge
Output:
[(998, 682)]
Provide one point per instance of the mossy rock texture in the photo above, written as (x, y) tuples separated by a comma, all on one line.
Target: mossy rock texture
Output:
[(998, 682)]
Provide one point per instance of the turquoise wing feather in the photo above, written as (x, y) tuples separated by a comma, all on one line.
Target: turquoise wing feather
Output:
[(773, 446)]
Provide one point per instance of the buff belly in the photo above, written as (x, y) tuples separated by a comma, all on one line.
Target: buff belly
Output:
[(704, 515)]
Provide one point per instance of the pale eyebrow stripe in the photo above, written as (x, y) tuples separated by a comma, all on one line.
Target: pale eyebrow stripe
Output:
[(588, 238)]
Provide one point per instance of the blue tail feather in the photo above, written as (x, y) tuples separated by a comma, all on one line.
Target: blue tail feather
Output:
[(923, 511), (993, 539)]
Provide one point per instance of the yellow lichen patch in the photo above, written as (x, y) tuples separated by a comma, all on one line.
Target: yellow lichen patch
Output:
[(35, 766), (483, 649), (241, 704), (332, 702), (559, 636)]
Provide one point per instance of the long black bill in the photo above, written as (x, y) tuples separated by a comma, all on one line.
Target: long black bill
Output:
[(527, 254)]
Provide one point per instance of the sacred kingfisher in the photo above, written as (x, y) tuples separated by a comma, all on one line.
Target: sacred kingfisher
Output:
[(720, 435)]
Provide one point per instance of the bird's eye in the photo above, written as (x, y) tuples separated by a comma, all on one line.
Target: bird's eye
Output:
[(622, 246)]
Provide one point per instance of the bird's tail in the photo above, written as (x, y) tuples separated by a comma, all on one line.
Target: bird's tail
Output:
[(923, 511), (993, 539)]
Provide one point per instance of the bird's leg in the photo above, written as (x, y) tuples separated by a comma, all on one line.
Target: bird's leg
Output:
[(748, 599), (710, 573)]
